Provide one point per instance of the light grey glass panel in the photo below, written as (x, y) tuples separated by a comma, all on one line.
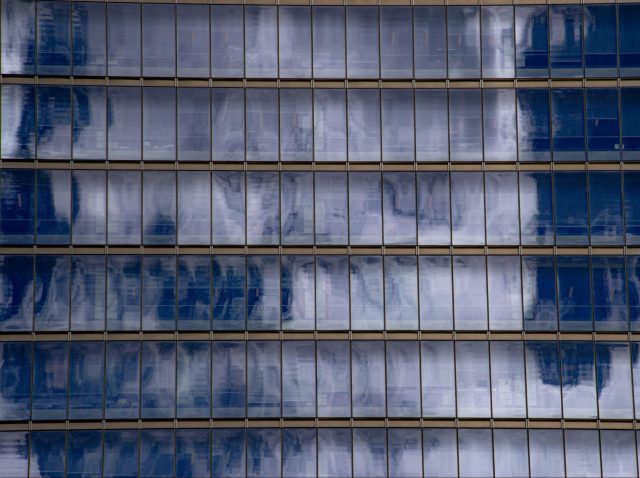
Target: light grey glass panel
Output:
[(365, 208), (399, 207), (193, 379), (475, 453), (499, 124), (497, 42), (470, 292), (432, 131), (159, 124), (501, 198), (362, 42), (89, 206), (368, 378), (440, 452), (229, 296), (618, 450), (539, 293), (18, 37), (436, 293), (578, 380), (52, 289), (467, 208), (434, 211), (430, 41), (299, 453), (296, 125), (403, 379), (330, 124), (159, 292), (332, 292), (124, 39), (228, 207), (159, 207), (294, 41), (194, 208), (405, 454), (472, 379), (543, 380), (158, 40), (297, 207), (463, 33), (298, 292), (546, 449), (635, 369), (536, 208), (123, 292), (298, 379), (53, 38), (263, 207), (334, 452), (505, 293), (328, 42), (397, 125), (507, 380), (331, 208), (194, 292), (194, 125), (263, 378), (334, 379), (14, 460), (263, 292), (88, 289), (262, 124), (465, 124), (582, 453), (229, 379), (438, 379), (125, 207), (192, 26), (614, 381), (367, 308), (89, 122), (369, 452), (18, 120), (396, 42), (158, 380), (54, 122), (364, 125), (261, 41), (124, 107), (227, 41), (401, 292), (511, 454), (227, 119)]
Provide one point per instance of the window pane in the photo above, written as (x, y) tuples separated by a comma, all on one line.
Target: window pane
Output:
[(158, 383), (367, 308), (194, 292), (194, 208), (89, 39), (88, 287), (332, 292), (192, 23), (53, 279), (47, 454), (438, 379), (505, 293), (511, 454), (436, 293), (299, 452), (497, 42), (463, 32), (628, 16), (609, 293), (229, 453), (397, 125), (159, 124), (434, 214), (227, 107), (330, 124), (475, 453), (159, 207), (499, 124), (53, 207), (86, 375), (615, 398), (362, 42), (467, 208), (600, 54), (17, 286), (262, 124), (298, 379), (508, 396), (264, 453), (228, 207), (157, 453), (546, 449), (403, 379), (17, 206), (465, 125), (334, 379), (194, 379), (263, 377), (123, 292), (396, 42), (120, 453), (263, 201), (296, 123), (49, 396), (567, 121), (539, 293), (18, 37), (440, 450), (571, 208), (502, 207), (229, 386), (574, 289), (193, 453), (298, 292), (543, 380), (470, 292), (334, 452), (565, 40), (124, 38), (618, 450), (54, 38), (15, 383), (430, 60), (399, 208), (536, 208), (294, 41), (532, 48), (158, 40), (194, 127), (263, 292), (603, 127), (432, 131), (159, 293), (89, 198), (578, 380), (14, 456), (633, 285), (227, 41), (261, 41), (368, 379), (125, 122), (229, 300), (630, 102), (328, 42), (364, 125), (582, 452), (123, 381), (54, 122), (331, 208), (365, 208), (405, 455), (401, 292), (472, 380), (369, 452), (18, 120), (534, 133), (124, 207), (89, 122)]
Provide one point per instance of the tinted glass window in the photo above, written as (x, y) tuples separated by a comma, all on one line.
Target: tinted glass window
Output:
[(565, 40), (54, 38), (194, 125), (18, 121), (18, 37), (89, 38), (294, 42), (227, 41), (532, 47), (229, 383), (192, 24), (362, 42), (158, 40), (328, 42), (261, 41), (396, 42), (124, 39), (17, 206), (600, 55), (497, 42), (125, 123)]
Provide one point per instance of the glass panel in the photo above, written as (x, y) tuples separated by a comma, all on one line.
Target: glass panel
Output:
[(125, 121), (368, 379), (331, 218), (194, 208), (159, 293), (467, 208), (367, 307), (229, 386), (365, 208), (54, 38), (534, 131), (507, 381), (88, 288), (194, 128), (574, 290), (158, 40), (14, 454), (565, 40), (633, 288), (497, 42), (536, 208), (159, 207), (434, 211), (17, 286), (298, 292), (227, 41), (502, 207), (53, 279), (157, 453), (192, 25), (49, 395), (47, 454), (629, 16), (440, 450), (499, 124), (299, 452), (227, 105), (463, 34), (632, 206), (436, 293), (228, 207), (369, 452), (572, 226), (328, 42), (567, 122), (532, 47), (18, 117), (364, 124), (465, 124), (194, 292), (511, 453), (53, 207), (475, 453), (609, 293), (362, 42), (605, 208), (396, 42), (470, 292), (472, 380), (263, 292), (432, 117), (403, 379), (193, 453), (399, 207), (582, 452), (334, 379), (18, 37), (54, 122), (123, 380), (334, 453), (89, 201), (505, 293), (159, 124), (332, 292), (84, 454), (89, 122), (158, 383), (546, 450), (229, 300), (330, 123), (298, 379), (578, 380), (600, 54), (438, 379), (120, 453), (124, 38), (618, 450), (614, 381), (86, 375), (261, 41), (89, 39), (294, 42), (296, 125), (430, 60), (194, 380), (543, 380), (405, 455), (397, 125), (603, 127), (264, 453), (15, 386), (229, 453), (262, 124), (539, 293), (263, 378), (123, 292), (401, 292)]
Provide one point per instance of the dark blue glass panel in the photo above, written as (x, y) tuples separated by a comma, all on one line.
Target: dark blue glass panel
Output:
[(334, 379), (89, 39), (369, 452), (263, 379), (430, 42), (629, 18), (227, 41), (296, 124), (605, 208), (120, 454), (89, 207), (124, 120), (89, 122), (578, 380), (159, 293), (567, 122), (465, 124), (398, 125), (262, 118), (633, 285), (194, 128), (534, 132), (192, 24), (158, 382), (54, 38), (299, 452), (53, 207), (362, 42), (49, 396), (603, 127), (229, 384), (328, 42), (632, 206), (543, 380), (565, 40), (263, 292), (159, 207), (86, 378), (17, 206), (263, 453), (229, 453), (334, 452), (227, 118), (574, 290), (193, 453), (194, 379), (600, 48), (261, 41), (157, 453), (159, 124), (572, 227), (123, 292), (194, 292), (54, 122), (16, 284), (18, 37), (332, 292), (396, 42), (298, 379), (630, 115), (18, 121), (368, 378), (124, 39), (294, 42), (532, 47), (539, 293), (15, 380), (229, 300), (84, 454), (158, 40), (463, 34), (432, 129), (609, 293), (331, 214), (53, 279), (14, 454), (123, 380), (363, 116), (298, 292), (47, 454)]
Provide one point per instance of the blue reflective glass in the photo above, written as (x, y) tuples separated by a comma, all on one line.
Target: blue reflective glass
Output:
[(366, 290), (567, 123), (193, 453), (89, 38), (47, 454), (298, 379), (15, 380), (229, 299), (51, 304), (298, 292), (363, 113), (194, 292), (54, 38), (263, 292), (434, 214), (14, 456), (630, 105), (158, 380), (463, 35), (497, 42), (605, 208), (229, 385), (54, 122), (578, 380), (17, 286), (334, 379), (467, 208), (574, 291), (157, 453), (18, 37), (299, 452), (615, 397), (368, 378), (501, 197), (534, 131), (120, 453), (432, 130), (53, 207), (86, 378), (401, 292), (331, 216), (508, 389), (440, 452), (609, 293), (158, 40), (159, 124), (193, 380), (328, 42), (436, 293), (536, 208), (603, 128), (89, 207), (89, 122), (543, 380), (122, 396), (296, 124), (84, 454), (405, 454), (362, 42), (263, 207), (532, 47), (572, 225), (229, 453), (430, 51), (192, 32), (565, 40), (505, 293), (396, 42), (465, 124), (539, 293), (50, 369), (227, 41), (261, 41), (194, 128), (329, 124), (633, 289), (124, 39), (629, 16), (194, 208), (263, 379), (470, 292), (369, 452), (123, 292), (296, 192), (264, 451), (334, 452), (159, 293), (159, 207), (403, 379), (18, 121), (473, 379), (294, 42), (399, 207), (600, 55), (499, 124), (438, 379), (332, 292), (124, 120), (228, 196)]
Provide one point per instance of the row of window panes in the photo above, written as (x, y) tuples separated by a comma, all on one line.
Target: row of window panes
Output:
[(84, 207), (160, 292), (291, 124), (434, 379), (232, 41)]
